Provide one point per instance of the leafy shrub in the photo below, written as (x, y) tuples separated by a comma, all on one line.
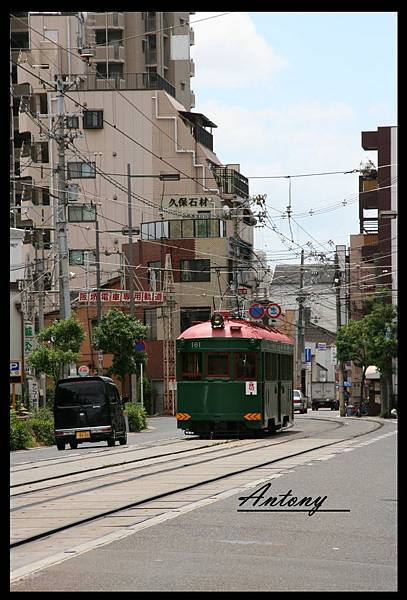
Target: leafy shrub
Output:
[(43, 430), (137, 416), (20, 433)]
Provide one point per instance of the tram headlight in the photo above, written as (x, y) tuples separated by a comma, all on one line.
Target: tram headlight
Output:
[(217, 321)]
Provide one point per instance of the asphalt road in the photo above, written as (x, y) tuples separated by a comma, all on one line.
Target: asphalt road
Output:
[(216, 548)]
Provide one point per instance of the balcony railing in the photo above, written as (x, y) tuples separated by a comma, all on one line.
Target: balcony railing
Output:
[(204, 137), (231, 181), (126, 81)]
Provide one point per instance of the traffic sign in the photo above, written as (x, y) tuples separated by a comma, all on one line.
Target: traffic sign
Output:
[(273, 310), (307, 355), (256, 311), (15, 368), (83, 371), (140, 346)]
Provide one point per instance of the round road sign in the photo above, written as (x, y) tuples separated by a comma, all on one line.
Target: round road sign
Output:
[(273, 310), (83, 371), (140, 346), (256, 311)]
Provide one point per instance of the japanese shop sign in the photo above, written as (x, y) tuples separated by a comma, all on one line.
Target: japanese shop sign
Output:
[(121, 296)]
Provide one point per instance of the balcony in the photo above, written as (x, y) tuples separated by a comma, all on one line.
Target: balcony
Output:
[(151, 57), (231, 182), (191, 37), (109, 20), (151, 23), (111, 52), (203, 137), (192, 68), (128, 81)]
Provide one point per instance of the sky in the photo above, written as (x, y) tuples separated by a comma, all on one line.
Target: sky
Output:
[(291, 93)]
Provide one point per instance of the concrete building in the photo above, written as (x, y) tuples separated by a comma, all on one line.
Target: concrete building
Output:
[(16, 316), (318, 290), (373, 252), (118, 117)]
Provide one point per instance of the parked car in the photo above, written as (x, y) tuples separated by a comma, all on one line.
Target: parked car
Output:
[(88, 409), (299, 401)]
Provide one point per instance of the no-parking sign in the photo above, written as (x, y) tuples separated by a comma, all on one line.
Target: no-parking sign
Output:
[(256, 311)]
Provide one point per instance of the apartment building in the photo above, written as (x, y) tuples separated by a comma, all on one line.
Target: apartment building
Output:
[(182, 199), (373, 252)]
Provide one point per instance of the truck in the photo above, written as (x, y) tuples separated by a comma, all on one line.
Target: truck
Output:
[(323, 395)]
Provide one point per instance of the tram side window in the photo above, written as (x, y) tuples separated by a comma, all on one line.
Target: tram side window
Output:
[(218, 365), (191, 366), (267, 366), (274, 367), (286, 367), (245, 365)]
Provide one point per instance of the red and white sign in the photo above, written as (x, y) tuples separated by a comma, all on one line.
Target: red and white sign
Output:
[(121, 296), (251, 388), (83, 371), (273, 310)]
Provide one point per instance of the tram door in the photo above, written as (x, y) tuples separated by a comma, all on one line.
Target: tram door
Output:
[(278, 360)]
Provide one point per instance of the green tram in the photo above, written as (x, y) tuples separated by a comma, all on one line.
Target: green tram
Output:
[(233, 376)]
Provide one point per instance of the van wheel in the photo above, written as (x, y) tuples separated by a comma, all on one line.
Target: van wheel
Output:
[(61, 445), (73, 445), (123, 440), (111, 442)]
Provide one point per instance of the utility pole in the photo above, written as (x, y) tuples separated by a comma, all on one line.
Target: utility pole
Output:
[(61, 224), (133, 376), (40, 271), (300, 327), (338, 325)]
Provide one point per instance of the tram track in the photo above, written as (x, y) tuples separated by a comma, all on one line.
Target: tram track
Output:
[(169, 493), (142, 459)]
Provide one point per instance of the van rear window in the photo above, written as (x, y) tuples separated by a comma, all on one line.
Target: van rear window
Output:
[(79, 393)]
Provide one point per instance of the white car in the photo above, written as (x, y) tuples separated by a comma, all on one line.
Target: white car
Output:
[(299, 401)]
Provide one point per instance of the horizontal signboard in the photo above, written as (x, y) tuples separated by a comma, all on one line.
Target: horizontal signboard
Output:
[(121, 296)]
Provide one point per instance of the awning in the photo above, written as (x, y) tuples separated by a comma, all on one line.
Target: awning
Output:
[(372, 373)]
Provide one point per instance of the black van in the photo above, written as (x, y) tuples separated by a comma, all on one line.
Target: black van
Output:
[(88, 409)]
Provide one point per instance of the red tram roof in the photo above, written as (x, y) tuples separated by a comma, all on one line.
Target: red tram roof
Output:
[(244, 329)]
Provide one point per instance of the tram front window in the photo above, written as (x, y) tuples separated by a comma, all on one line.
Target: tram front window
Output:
[(245, 365), (191, 366), (218, 365)]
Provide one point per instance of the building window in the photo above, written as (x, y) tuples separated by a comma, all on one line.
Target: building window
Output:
[(93, 119), (195, 270), (45, 196), (154, 275), (191, 316), (85, 212), (77, 257), (81, 170), (187, 228), (150, 319), (72, 122)]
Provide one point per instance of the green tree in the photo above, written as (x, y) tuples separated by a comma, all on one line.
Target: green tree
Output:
[(382, 326), (353, 343), (372, 341), (59, 345), (117, 334)]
